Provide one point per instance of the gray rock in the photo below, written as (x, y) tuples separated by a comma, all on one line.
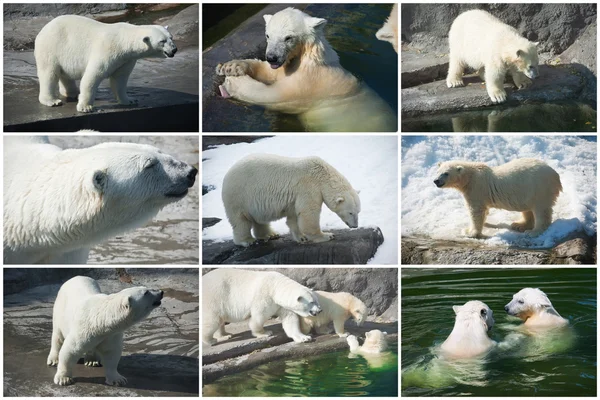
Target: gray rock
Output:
[(575, 251), (185, 25), (207, 222), (56, 9), (354, 246)]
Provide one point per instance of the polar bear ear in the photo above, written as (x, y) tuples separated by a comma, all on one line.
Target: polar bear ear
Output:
[(146, 39), (440, 164), (313, 22), (459, 168), (167, 27), (385, 333), (99, 180), (267, 18), (456, 309), (358, 192), (339, 200)]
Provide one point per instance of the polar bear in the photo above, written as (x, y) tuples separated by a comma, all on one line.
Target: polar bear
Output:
[(60, 203), (535, 309), (481, 41), (526, 185), (375, 342), (469, 337), (235, 295), (88, 322), (302, 75), (389, 30), (337, 307), (261, 188), (71, 47)]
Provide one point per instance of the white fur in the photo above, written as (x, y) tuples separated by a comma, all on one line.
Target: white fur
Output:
[(535, 309), (469, 337), (302, 75), (337, 307), (375, 342), (389, 30), (261, 188), (87, 322), (72, 47), (481, 41), (59, 203), (235, 295), (524, 184)]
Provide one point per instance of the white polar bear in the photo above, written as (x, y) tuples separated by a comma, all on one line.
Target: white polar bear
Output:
[(261, 188), (481, 41), (337, 307), (87, 322), (235, 295), (527, 185), (72, 47), (60, 203), (302, 75), (375, 342), (469, 337), (535, 309), (389, 30)]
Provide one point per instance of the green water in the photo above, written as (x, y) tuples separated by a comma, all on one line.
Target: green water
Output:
[(332, 374), (556, 363)]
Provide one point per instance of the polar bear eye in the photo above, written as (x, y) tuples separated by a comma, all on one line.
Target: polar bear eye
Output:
[(267, 36), (288, 38), (483, 312), (521, 301)]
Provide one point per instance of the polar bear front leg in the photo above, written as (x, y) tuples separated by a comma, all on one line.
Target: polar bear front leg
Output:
[(48, 78), (257, 324), (221, 334), (338, 325), (455, 72), (263, 231), (251, 91), (291, 326), (478, 215), (110, 353), (87, 88), (56, 344), (543, 219), (68, 88), (310, 228), (118, 83), (526, 223), (68, 356), (494, 82)]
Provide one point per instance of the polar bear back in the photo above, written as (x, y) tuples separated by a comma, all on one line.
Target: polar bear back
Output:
[(481, 38), (72, 294), (266, 186), (232, 294)]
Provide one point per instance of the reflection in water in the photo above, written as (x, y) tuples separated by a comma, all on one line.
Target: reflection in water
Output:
[(333, 374)]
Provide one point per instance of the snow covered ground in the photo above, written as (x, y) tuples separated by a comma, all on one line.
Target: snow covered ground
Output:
[(441, 213), (370, 163)]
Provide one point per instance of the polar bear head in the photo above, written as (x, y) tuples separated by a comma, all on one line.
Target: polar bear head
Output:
[(287, 32), (294, 297), (375, 341), (359, 310), (138, 302), (457, 174), (474, 312), (158, 41), (527, 302), (526, 60), (347, 207)]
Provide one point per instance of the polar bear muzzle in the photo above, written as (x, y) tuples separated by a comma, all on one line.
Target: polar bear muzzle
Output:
[(184, 182)]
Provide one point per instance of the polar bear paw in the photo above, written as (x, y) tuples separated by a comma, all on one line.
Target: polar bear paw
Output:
[(497, 95), (116, 379), (263, 334), (51, 102), (63, 380), (86, 108), (232, 68), (345, 334), (452, 82), (52, 361), (302, 339), (472, 233), (92, 363)]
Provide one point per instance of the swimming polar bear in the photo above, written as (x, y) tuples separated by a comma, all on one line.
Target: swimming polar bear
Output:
[(72, 47), (302, 75), (375, 342), (483, 42), (469, 337), (337, 307), (235, 295), (535, 309), (58, 204), (88, 322)]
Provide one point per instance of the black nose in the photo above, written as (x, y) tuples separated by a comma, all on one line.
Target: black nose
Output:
[(506, 308), (161, 294), (174, 50), (191, 176), (437, 182), (271, 59)]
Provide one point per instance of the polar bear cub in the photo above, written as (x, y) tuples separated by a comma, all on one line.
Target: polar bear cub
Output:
[(337, 307), (481, 41), (71, 47), (527, 185), (375, 342), (261, 188), (88, 322), (469, 338), (535, 309), (235, 295)]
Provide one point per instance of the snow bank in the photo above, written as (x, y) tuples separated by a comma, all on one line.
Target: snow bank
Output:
[(440, 213), (370, 163)]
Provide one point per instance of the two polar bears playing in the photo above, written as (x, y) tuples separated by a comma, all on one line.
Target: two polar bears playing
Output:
[(469, 337), (526, 185), (481, 41), (87, 323), (302, 75), (238, 295), (72, 47)]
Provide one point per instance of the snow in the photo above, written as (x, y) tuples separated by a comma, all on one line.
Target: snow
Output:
[(441, 213), (370, 163)]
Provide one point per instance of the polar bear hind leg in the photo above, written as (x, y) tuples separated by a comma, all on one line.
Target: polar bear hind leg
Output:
[(338, 325), (291, 325), (242, 230), (221, 334), (263, 231), (543, 219), (118, 83), (69, 354), (48, 77), (455, 72), (526, 223), (292, 223), (257, 324), (110, 353)]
